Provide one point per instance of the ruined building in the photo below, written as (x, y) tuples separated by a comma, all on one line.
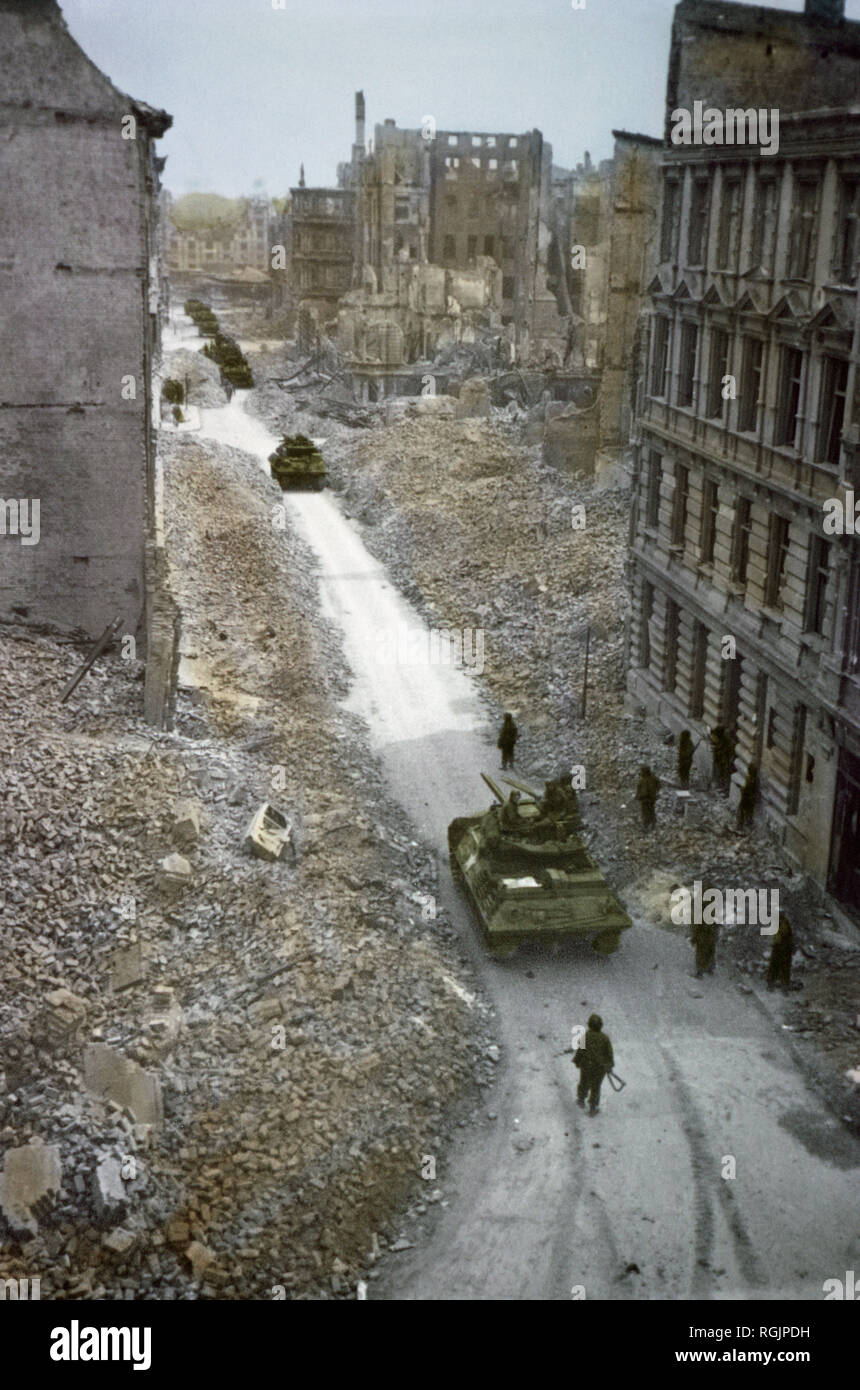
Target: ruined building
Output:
[(745, 604), (325, 238), (79, 303), (489, 196), (323, 250), (603, 254), (243, 242)]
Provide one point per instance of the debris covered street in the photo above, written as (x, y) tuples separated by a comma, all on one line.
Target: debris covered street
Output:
[(429, 672)]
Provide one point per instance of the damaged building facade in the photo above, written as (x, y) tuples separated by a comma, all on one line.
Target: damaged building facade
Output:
[(745, 599), (80, 302)]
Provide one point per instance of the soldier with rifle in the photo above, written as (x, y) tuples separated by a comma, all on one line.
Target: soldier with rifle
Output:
[(595, 1060)]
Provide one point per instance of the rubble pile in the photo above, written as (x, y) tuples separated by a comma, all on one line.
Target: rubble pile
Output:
[(223, 1071)]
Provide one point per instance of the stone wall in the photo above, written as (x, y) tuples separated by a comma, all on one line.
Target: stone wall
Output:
[(77, 250)]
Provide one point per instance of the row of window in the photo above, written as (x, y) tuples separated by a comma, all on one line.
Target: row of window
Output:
[(766, 720), (818, 561), (314, 277), (323, 204), (486, 246), (491, 142), (729, 212), (833, 383), (490, 166)]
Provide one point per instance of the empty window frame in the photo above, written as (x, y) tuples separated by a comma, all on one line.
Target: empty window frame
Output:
[(672, 632), (700, 664), (449, 248), (803, 215), (471, 247), (671, 208), (660, 356), (700, 196), (680, 504), (731, 201), (788, 397), (777, 553), (687, 363), (816, 583), (847, 249), (741, 540), (718, 367), (764, 224), (652, 500), (710, 511), (751, 368), (831, 409), (647, 612), (852, 622), (798, 738)]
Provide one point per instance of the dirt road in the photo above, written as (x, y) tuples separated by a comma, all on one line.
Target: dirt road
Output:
[(715, 1174)]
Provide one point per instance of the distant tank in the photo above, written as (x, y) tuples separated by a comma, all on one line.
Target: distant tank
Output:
[(297, 463), (528, 875)]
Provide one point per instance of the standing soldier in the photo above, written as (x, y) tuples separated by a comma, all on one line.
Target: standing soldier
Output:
[(686, 749), (779, 968), (704, 938), (721, 745), (507, 741), (646, 794), (749, 796), (595, 1062)]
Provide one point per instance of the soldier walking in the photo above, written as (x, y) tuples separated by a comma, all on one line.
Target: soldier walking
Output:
[(749, 797), (686, 749), (704, 938), (646, 794), (595, 1060), (507, 741), (779, 967)]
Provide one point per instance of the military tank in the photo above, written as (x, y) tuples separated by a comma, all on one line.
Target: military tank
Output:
[(298, 464), (527, 874)]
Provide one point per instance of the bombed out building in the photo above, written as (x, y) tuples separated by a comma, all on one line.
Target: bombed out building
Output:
[(745, 601), (80, 301)]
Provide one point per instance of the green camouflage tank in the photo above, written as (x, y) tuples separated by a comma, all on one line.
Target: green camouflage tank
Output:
[(529, 877), (297, 463)]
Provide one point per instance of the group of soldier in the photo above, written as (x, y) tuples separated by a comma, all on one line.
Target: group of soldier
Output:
[(722, 754), (704, 939), (595, 1058)]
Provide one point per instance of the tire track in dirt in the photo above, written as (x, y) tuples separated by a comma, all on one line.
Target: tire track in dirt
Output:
[(702, 1168)]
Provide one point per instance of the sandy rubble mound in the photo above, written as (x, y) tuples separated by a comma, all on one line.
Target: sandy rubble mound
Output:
[(308, 1023)]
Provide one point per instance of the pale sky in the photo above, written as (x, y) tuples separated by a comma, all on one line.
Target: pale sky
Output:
[(255, 90)]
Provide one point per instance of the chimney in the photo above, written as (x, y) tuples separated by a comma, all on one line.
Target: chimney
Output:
[(833, 10), (359, 119)]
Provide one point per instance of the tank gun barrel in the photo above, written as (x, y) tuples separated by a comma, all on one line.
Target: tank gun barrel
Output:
[(499, 795), (522, 787)]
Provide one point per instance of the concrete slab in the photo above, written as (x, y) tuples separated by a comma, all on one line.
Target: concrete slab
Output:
[(114, 1077)]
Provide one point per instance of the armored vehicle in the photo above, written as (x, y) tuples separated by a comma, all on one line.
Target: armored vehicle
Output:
[(527, 874), (297, 463)]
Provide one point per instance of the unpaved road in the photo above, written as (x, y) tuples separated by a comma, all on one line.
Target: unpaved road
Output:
[(543, 1199)]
